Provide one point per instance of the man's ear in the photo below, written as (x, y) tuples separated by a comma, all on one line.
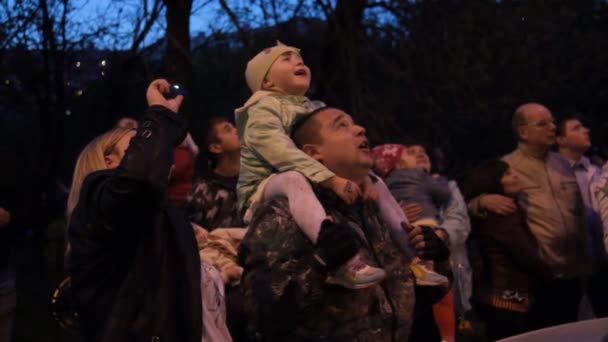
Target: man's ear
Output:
[(523, 133), (559, 140), (215, 148), (313, 151)]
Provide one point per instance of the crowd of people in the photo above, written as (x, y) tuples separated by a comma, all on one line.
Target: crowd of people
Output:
[(302, 231)]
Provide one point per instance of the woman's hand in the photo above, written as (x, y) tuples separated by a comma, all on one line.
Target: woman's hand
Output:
[(155, 96), (498, 204)]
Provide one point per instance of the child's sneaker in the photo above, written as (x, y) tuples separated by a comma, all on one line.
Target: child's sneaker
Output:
[(427, 277), (356, 274)]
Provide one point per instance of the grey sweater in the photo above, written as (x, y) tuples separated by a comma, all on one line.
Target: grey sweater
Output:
[(418, 186)]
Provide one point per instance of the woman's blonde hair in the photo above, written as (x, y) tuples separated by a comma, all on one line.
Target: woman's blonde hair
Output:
[(91, 159)]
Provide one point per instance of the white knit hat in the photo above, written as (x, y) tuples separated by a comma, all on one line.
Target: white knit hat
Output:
[(258, 66)]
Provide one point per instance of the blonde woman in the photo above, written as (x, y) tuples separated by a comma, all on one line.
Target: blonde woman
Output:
[(133, 259), (100, 154)]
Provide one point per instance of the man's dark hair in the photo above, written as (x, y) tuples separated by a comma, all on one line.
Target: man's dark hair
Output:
[(306, 130), (560, 126), (211, 138)]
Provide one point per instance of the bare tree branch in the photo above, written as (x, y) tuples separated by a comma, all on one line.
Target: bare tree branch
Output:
[(63, 24), (137, 25), (22, 24), (264, 11), (201, 6), (397, 12), (326, 8), (275, 15), (297, 9), (242, 34), (156, 10)]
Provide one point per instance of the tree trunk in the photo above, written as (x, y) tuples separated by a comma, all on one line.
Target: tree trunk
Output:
[(179, 60), (341, 53), (53, 104)]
